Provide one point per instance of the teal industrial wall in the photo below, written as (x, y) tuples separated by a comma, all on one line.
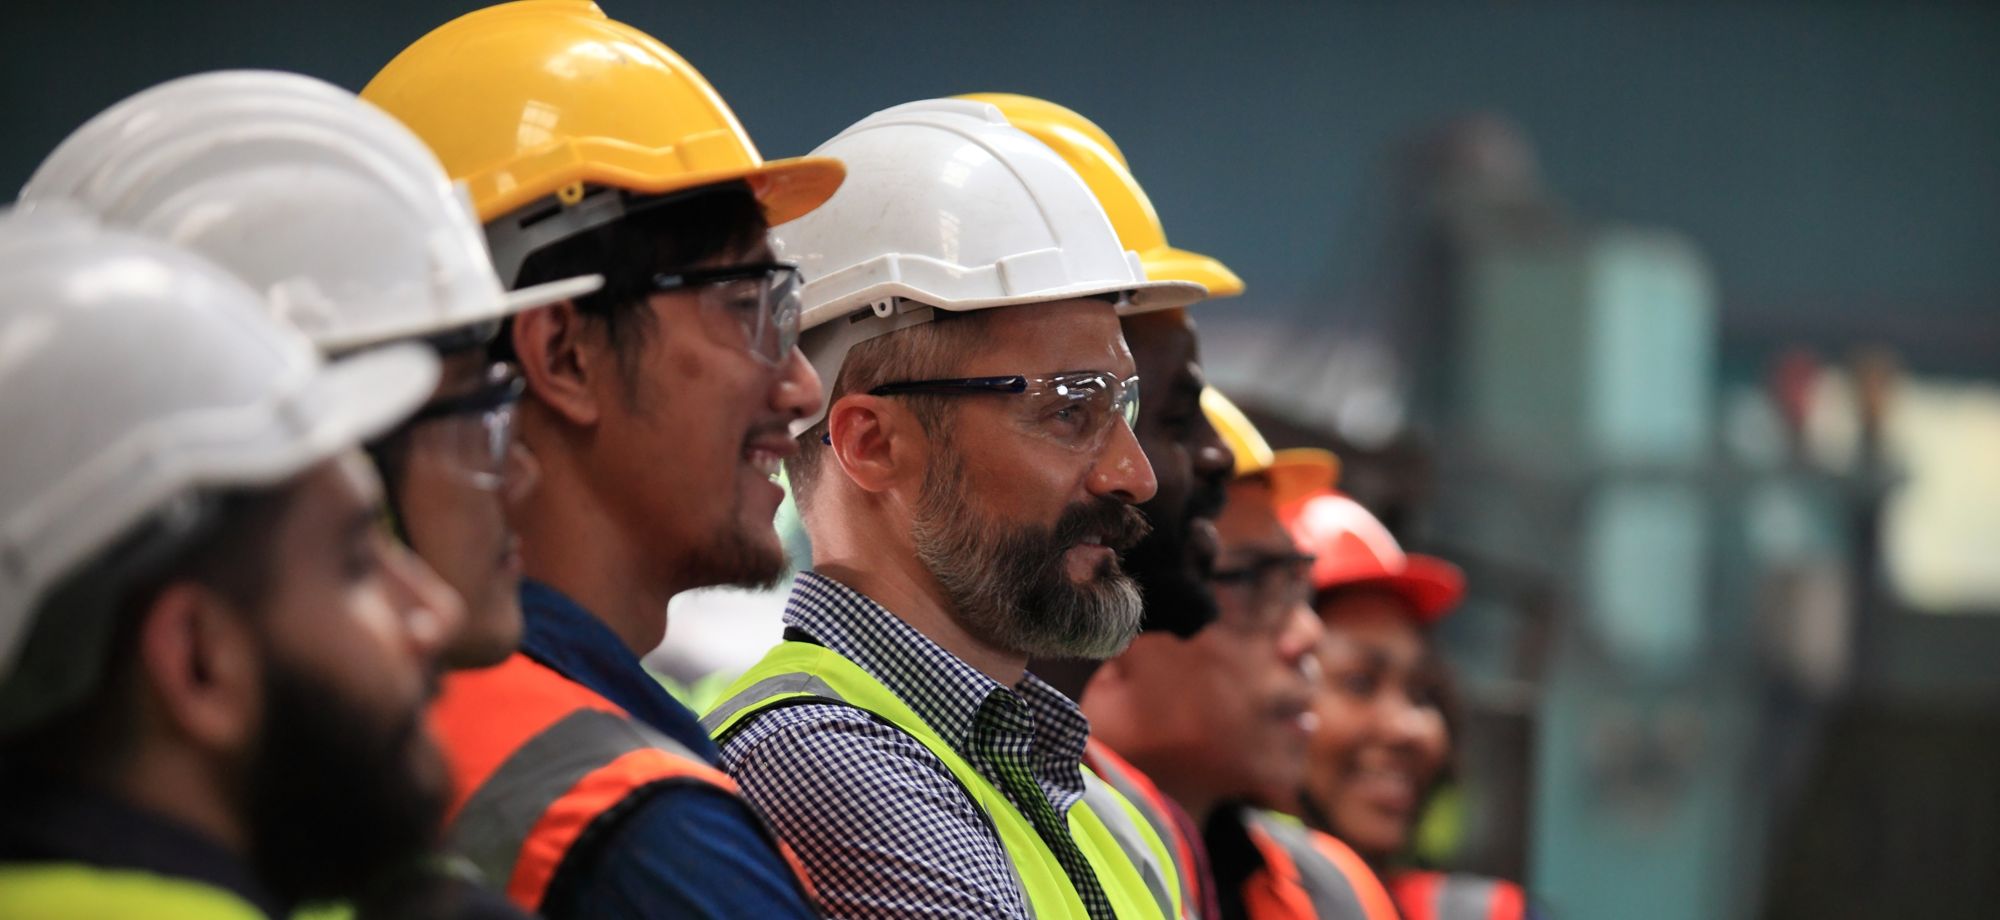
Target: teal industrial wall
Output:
[(1836, 161)]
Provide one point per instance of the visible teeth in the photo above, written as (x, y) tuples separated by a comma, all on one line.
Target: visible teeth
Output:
[(1093, 541), (1381, 775), (764, 462), (1308, 722)]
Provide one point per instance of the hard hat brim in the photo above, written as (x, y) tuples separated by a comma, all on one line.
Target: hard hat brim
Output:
[(1170, 264), (792, 188), (342, 405), (1143, 296), (501, 307), (787, 189), (1433, 587), (360, 397), (542, 295), (1297, 473)]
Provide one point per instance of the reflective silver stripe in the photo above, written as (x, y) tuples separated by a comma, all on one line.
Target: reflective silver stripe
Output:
[(1104, 802), (1162, 827), (1464, 897), (762, 691), (497, 819), (1332, 896)]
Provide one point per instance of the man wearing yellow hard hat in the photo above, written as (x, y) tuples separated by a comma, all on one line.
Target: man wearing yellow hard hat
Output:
[(1232, 742), (658, 409)]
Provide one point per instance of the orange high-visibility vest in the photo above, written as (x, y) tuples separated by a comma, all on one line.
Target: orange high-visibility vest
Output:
[(536, 759), (1451, 896), (1308, 875), (1154, 806)]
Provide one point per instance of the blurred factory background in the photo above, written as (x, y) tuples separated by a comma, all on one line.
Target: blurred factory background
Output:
[(1677, 324)]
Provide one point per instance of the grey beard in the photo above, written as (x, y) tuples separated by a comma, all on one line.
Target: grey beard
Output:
[(1008, 587)]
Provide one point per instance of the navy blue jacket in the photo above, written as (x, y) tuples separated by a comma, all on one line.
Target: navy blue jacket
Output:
[(686, 851)]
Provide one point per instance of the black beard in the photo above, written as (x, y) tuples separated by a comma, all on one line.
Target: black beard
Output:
[(1175, 589), (733, 558), (334, 800)]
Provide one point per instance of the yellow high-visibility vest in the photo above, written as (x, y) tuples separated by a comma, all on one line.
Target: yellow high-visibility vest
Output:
[(1132, 865)]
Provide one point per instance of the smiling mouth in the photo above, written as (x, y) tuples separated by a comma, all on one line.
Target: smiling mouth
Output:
[(766, 463), (765, 451), (1296, 713), (1384, 787)]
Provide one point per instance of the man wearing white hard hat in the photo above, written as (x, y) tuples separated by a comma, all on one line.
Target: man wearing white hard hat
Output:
[(1190, 461), (213, 659), (966, 493), (349, 227)]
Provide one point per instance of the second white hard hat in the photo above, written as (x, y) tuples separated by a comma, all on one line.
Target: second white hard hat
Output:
[(948, 207), (332, 209), (133, 373)]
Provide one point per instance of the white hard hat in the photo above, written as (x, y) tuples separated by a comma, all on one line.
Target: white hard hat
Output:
[(946, 206), (133, 374), (334, 210)]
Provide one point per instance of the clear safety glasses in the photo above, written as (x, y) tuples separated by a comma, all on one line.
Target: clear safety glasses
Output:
[(1270, 587), (753, 306), (1076, 409), (473, 432)]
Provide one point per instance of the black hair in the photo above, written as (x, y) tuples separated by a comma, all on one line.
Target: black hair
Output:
[(657, 235)]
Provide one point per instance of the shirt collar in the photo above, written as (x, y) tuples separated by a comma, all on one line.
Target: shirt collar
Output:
[(949, 694), (561, 634)]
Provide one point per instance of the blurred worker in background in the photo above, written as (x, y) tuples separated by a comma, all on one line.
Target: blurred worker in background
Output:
[(349, 226), (1190, 462), (966, 493), (1382, 743), (213, 657), (1220, 720), (657, 409), (351, 230)]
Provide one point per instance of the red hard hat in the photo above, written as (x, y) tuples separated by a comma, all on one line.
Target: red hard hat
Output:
[(1351, 547)]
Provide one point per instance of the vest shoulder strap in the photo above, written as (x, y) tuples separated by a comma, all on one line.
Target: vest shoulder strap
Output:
[(538, 759), (1322, 871), (1141, 845), (1152, 806), (1457, 896)]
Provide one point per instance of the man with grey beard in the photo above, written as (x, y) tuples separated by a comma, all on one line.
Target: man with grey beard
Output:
[(967, 493)]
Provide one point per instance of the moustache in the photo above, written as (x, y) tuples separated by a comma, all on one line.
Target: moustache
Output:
[(777, 429), (1118, 525)]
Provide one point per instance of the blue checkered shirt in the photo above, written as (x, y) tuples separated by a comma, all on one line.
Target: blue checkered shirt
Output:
[(880, 823)]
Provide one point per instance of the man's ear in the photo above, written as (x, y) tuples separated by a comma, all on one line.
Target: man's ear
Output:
[(877, 442), (203, 666), (557, 360)]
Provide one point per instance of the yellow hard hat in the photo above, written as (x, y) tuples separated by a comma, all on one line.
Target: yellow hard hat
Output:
[(1294, 473), (1090, 152), (536, 98)]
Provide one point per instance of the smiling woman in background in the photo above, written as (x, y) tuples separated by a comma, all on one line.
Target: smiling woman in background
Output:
[(1383, 741)]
